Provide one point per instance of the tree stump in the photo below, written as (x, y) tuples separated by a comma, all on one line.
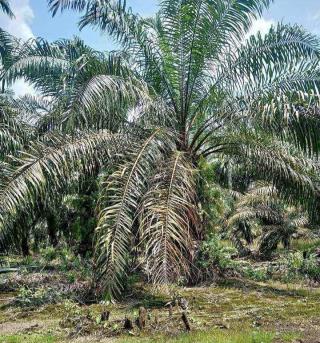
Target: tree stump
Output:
[(156, 317), (141, 320), (128, 324), (186, 321), (105, 315), (170, 310)]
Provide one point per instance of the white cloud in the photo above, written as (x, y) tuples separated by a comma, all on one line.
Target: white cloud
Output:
[(21, 88), (262, 25), (20, 27)]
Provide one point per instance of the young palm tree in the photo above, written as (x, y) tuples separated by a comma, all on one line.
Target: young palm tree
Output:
[(186, 86), (262, 207)]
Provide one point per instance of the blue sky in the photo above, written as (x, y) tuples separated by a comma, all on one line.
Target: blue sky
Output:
[(65, 24), (34, 20)]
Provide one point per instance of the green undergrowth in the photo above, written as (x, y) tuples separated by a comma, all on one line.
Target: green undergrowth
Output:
[(305, 244), (219, 336), (216, 336), (33, 338), (209, 337)]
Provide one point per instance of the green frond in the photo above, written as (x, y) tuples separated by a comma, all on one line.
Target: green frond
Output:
[(89, 89), (280, 163), (7, 43), (244, 214), (271, 81), (5, 7), (32, 69), (259, 193), (281, 46), (45, 168), (32, 108), (281, 232), (111, 93), (9, 143), (50, 67), (14, 132), (76, 5), (263, 206)]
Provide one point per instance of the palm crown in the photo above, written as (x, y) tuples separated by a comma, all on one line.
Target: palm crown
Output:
[(185, 86)]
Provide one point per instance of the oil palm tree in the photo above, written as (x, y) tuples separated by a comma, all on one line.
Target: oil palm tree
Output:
[(262, 208), (186, 86)]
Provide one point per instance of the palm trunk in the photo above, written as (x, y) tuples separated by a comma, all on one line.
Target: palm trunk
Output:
[(52, 229), (25, 244), (286, 243)]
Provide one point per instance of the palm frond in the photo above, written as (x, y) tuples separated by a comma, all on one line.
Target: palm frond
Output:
[(271, 80), (5, 7), (286, 167), (76, 5), (120, 196), (96, 90), (169, 219), (14, 132), (280, 46), (262, 206), (45, 168)]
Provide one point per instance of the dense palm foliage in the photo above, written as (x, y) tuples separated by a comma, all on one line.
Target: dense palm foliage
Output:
[(185, 86)]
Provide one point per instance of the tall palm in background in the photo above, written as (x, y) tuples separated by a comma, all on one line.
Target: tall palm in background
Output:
[(185, 87)]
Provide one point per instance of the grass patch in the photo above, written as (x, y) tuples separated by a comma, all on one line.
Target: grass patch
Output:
[(240, 311), (34, 338), (305, 244), (290, 337), (209, 337)]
